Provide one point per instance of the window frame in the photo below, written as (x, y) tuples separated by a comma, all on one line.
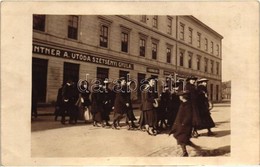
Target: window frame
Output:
[(155, 21), (42, 20), (73, 27)]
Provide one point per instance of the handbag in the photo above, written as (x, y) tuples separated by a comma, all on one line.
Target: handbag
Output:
[(87, 114)]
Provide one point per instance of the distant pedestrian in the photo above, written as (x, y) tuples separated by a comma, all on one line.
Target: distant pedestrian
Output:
[(58, 104)]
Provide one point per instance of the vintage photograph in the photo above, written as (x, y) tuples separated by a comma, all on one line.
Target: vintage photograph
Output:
[(128, 86), (129, 83)]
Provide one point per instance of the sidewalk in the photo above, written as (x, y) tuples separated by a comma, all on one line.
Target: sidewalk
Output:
[(52, 139)]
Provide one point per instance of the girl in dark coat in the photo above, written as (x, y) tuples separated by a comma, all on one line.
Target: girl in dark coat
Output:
[(182, 126), (122, 102), (108, 102), (190, 86), (163, 108), (96, 106), (173, 107), (203, 106), (149, 103)]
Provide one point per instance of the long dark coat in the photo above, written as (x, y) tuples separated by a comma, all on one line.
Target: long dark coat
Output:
[(173, 107), (149, 115), (203, 106), (194, 99), (108, 102), (96, 106), (58, 103), (182, 126), (163, 108), (129, 111), (120, 101)]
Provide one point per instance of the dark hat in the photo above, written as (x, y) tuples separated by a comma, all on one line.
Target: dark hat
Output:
[(191, 78), (202, 80)]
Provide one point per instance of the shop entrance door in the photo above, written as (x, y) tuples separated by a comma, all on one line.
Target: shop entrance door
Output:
[(39, 79), (70, 71)]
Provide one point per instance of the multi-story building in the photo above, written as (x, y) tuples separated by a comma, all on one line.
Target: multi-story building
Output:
[(110, 46)]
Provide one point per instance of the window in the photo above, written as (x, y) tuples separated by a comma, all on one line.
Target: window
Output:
[(154, 51), (211, 47), (190, 60), (181, 58), (73, 27), (39, 22), (104, 36), (169, 25), (212, 66), (124, 42), (217, 68), (206, 65), (217, 50), (143, 18), (199, 39), (190, 35), (169, 55), (206, 44), (217, 89), (182, 31), (155, 21), (142, 47), (102, 73), (198, 62), (123, 73)]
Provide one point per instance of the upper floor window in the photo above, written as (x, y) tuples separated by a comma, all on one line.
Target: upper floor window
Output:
[(217, 50), (142, 47), (73, 27), (212, 66), (155, 21), (199, 39), (39, 22), (206, 44), (190, 60), (169, 25), (169, 55), (190, 35), (124, 42), (182, 31), (143, 18), (211, 47), (154, 51), (206, 65), (181, 58), (198, 62), (104, 36), (217, 68)]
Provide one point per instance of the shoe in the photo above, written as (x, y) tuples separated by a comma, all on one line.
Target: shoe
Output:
[(115, 127), (211, 134), (195, 134), (185, 154), (62, 122)]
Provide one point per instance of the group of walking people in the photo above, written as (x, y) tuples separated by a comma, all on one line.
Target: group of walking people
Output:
[(193, 113), (181, 108)]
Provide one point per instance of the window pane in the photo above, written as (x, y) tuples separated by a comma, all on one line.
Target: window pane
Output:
[(39, 22)]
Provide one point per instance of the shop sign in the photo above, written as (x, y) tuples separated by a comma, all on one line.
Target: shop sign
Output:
[(152, 70), (80, 57)]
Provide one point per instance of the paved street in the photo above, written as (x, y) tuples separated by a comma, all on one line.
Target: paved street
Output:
[(52, 139)]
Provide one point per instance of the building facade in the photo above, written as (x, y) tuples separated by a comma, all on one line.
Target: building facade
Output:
[(111, 46)]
